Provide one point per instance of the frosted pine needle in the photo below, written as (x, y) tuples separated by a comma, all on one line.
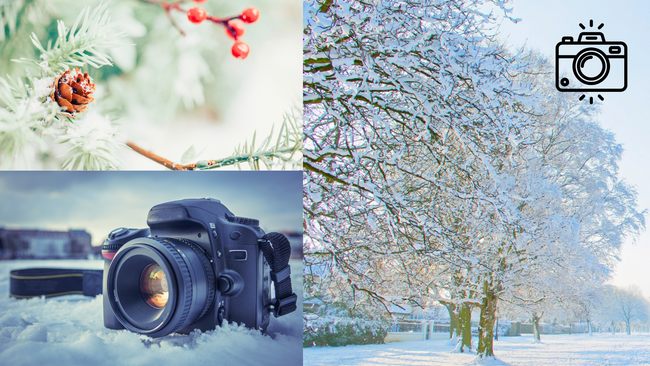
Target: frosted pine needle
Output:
[(93, 144)]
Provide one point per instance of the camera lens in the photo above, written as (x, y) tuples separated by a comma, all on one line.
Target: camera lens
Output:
[(591, 66), (154, 286), (157, 286)]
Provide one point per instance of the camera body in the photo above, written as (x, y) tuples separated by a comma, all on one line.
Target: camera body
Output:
[(197, 265), (596, 65)]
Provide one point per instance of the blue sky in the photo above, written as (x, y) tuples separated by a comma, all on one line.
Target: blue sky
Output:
[(102, 201), (543, 25)]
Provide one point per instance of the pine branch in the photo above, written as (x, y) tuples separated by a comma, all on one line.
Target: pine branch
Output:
[(10, 12), (92, 144), (31, 112), (287, 151), (23, 121), (18, 19), (77, 46)]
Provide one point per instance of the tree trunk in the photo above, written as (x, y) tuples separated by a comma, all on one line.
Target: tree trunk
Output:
[(453, 321), (465, 325), (589, 326), (486, 323), (627, 326), (496, 330), (536, 328)]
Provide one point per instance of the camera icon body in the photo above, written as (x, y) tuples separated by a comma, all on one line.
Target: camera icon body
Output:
[(596, 65)]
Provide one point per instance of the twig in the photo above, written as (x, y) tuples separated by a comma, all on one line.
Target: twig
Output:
[(172, 20), (176, 6), (160, 160), (288, 143), (204, 164)]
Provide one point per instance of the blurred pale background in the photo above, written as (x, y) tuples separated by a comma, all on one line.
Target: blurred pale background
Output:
[(102, 201)]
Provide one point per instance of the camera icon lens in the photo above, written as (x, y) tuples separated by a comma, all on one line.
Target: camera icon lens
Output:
[(594, 64)]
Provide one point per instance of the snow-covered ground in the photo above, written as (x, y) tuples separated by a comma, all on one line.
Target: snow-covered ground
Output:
[(576, 349), (69, 330)]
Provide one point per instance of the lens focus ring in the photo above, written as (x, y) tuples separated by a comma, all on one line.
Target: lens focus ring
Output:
[(207, 267)]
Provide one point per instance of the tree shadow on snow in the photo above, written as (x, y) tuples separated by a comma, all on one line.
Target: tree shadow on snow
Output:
[(488, 361)]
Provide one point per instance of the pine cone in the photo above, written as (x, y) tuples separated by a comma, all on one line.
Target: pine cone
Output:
[(72, 90)]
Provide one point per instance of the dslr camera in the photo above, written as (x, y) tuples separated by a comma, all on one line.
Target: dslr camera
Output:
[(596, 65), (195, 266)]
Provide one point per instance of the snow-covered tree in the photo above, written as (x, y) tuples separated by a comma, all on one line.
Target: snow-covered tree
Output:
[(434, 173), (626, 305), (580, 212), (403, 98)]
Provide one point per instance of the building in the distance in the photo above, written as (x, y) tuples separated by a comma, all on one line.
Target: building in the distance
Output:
[(44, 244)]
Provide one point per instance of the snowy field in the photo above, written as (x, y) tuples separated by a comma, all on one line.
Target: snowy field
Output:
[(599, 349), (69, 330)]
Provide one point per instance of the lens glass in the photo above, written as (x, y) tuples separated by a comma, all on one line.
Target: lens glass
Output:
[(591, 66), (154, 286)]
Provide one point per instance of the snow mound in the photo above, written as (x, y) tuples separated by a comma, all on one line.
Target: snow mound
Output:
[(12, 328), (69, 330), (488, 361)]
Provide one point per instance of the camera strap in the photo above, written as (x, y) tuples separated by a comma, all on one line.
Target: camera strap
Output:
[(50, 282), (277, 250)]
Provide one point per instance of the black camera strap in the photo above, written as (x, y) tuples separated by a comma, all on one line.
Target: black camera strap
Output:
[(277, 250), (50, 282)]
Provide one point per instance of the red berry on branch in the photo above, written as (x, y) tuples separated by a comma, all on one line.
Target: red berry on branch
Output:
[(237, 26), (250, 15), (197, 14), (240, 50)]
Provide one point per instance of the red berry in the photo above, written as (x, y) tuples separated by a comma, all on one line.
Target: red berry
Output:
[(197, 14), (200, 1), (236, 26), (250, 15), (240, 50)]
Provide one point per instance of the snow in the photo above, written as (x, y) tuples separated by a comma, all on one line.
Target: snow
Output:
[(69, 330), (43, 86), (92, 133), (575, 349)]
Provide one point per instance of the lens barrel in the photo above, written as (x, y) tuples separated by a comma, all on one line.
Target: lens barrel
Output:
[(157, 286)]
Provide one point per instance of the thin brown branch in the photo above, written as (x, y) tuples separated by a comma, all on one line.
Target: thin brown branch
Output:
[(164, 162), (160, 160), (173, 21), (176, 6)]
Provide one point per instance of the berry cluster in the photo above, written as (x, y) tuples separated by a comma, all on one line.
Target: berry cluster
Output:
[(234, 25)]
